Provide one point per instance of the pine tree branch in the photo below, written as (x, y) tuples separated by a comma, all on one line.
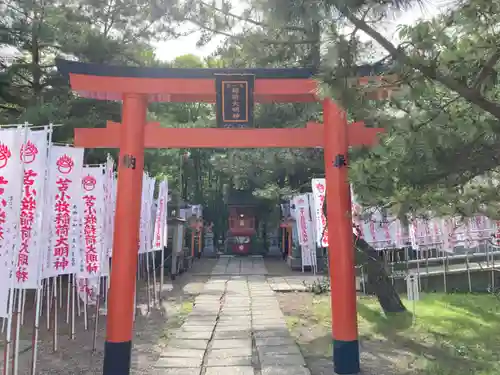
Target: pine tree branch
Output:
[(245, 38), (472, 95), (252, 21), (487, 68)]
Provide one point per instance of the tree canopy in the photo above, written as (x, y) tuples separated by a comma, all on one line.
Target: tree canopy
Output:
[(440, 149)]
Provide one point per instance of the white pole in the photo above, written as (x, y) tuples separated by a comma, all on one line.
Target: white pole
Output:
[(155, 298), (148, 272), (77, 297), (23, 303), (47, 301), (54, 347), (60, 292), (162, 271), (40, 284), (10, 306), (18, 332), (85, 303), (68, 300), (73, 298)]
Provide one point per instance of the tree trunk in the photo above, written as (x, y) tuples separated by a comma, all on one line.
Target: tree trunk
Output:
[(378, 279)]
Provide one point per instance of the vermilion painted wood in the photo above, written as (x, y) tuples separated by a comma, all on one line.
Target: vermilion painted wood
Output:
[(157, 137), (189, 90)]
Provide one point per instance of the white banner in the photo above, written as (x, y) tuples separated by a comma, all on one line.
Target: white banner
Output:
[(29, 255), (11, 171), (319, 191), (92, 197), (159, 239), (148, 186), (304, 229), (88, 289), (64, 210)]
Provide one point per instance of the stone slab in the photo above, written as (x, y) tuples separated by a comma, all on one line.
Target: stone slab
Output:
[(231, 343), (234, 321), (273, 341), (193, 328), (284, 370), (201, 318), (204, 315), (187, 344), (166, 362), (273, 359), (275, 323), (233, 328), (269, 314), (283, 349), (231, 352), (234, 370), (230, 361), (236, 312), (177, 371), (200, 323), (270, 332), (184, 335), (182, 353), (225, 335)]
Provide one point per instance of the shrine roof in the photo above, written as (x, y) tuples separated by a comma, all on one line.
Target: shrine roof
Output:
[(241, 198)]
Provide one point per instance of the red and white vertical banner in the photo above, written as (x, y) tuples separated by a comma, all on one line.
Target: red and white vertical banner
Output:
[(436, 226), (30, 253), (92, 236), (318, 191), (496, 232), (420, 234), (161, 217), (380, 231), (461, 235), (88, 289), (447, 226), (92, 201), (64, 211), (308, 248), (480, 229), (148, 185), (11, 170), (148, 238)]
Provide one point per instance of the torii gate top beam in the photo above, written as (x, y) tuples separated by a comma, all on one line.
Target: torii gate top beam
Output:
[(104, 82)]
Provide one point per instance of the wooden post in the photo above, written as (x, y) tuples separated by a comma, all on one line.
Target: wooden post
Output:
[(340, 251), (118, 346)]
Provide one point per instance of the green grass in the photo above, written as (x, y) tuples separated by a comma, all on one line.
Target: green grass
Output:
[(455, 334)]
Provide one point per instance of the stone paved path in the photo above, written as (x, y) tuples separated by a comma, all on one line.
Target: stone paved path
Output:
[(236, 328)]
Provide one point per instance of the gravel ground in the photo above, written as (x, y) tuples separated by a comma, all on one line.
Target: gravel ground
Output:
[(75, 357)]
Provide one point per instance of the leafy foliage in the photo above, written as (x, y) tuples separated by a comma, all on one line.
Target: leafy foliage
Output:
[(440, 149)]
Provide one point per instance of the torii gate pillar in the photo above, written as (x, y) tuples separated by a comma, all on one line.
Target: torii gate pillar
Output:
[(118, 346), (340, 244)]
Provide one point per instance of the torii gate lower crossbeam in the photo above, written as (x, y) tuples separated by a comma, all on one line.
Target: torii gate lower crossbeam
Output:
[(157, 137), (136, 86)]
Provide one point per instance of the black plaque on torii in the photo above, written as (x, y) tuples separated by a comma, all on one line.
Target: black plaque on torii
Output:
[(234, 100)]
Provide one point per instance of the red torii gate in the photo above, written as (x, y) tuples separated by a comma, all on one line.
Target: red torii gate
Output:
[(138, 86)]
